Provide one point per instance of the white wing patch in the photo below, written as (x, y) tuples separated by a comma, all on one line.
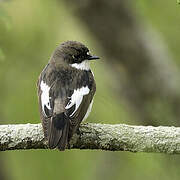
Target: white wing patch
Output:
[(85, 65), (88, 111), (77, 98), (45, 95)]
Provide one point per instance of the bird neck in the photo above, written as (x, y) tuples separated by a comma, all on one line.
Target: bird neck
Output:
[(85, 65)]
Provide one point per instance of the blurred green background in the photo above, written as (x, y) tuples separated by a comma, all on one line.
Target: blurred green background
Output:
[(29, 32)]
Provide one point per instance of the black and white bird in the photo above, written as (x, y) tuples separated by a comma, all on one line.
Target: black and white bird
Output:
[(66, 88)]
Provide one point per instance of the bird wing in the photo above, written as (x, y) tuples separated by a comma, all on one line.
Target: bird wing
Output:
[(54, 121), (77, 106), (62, 108)]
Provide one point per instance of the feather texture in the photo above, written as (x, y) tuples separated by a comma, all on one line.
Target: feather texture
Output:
[(76, 98), (64, 103), (45, 99), (58, 134)]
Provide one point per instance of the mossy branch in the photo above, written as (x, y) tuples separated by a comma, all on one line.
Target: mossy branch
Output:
[(117, 137)]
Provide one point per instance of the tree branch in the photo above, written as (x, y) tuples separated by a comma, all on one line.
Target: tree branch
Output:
[(118, 137)]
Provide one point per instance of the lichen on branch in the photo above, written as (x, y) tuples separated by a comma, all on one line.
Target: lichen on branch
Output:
[(118, 137)]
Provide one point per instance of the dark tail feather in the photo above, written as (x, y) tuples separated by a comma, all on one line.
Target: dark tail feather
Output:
[(64, 138), (58, 132)]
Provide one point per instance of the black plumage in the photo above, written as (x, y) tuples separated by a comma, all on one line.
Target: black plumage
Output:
[(58, 85)]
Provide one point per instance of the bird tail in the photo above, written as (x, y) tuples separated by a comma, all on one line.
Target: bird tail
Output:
[(58, 132)]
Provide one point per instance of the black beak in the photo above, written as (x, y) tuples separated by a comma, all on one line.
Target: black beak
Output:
[(93, 57)]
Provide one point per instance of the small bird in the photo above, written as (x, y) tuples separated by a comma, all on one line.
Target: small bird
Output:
[(66, 87)]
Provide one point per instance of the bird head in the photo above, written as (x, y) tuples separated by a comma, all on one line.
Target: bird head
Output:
[(72, 52)]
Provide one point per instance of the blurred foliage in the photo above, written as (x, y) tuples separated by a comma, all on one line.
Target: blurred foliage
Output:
[(34, 29), (2, 56), (165, 20), (5, 18)]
